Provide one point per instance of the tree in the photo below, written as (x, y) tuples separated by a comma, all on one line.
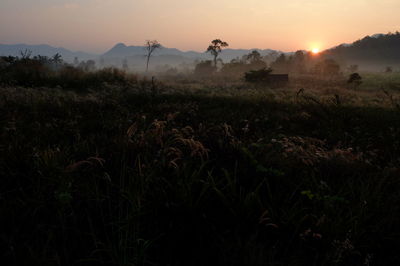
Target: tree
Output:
[(215, 48), (26, 54), (388, 70), (298, 62), (355, 79), (254, 60), (280, 65), (57, 58), (151, 46), (254, 56), (76, 61), (327, 67)]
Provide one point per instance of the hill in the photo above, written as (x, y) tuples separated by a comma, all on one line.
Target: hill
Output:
[(371, 53)]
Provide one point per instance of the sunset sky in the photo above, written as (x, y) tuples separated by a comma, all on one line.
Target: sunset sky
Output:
[(288, 25)]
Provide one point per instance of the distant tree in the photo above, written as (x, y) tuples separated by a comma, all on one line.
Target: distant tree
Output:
[(355, 79), (26, 54), (254, 60), (57, 58), (236, 68), (271, 56), (151, 46), (89, 65), (254, 56), (204, 68), (327, 67), (388, 70), (76, 61), (215, 48), (297, 62), (280, 64)]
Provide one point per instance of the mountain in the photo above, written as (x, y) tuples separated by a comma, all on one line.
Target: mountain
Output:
[(44, 50), (121, 50), (371, 52), (135, 55)]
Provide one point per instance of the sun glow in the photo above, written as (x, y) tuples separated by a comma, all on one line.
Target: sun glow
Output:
[(315, 50)]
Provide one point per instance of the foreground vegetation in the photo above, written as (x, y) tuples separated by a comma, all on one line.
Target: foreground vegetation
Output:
[(151, 175)]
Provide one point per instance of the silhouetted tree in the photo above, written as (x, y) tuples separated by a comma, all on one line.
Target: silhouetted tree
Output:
[(151, 46), (355, 79), (255, 60), (254, 56), (215, 48), (57, 58), (388, 70), (26, 54)]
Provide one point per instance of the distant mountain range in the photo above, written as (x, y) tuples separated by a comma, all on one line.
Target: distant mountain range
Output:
[(121, 51), (377, 49)]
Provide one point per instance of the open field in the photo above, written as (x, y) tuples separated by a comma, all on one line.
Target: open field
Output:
[(183, 172)]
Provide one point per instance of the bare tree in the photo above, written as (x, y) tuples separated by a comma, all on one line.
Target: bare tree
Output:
[(151, 46), (57, 59), (215, 48), (26, 54)]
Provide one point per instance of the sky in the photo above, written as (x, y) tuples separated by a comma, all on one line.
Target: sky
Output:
[(286, 25)]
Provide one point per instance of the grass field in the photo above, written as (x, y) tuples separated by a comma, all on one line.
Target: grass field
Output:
[(211, 173)]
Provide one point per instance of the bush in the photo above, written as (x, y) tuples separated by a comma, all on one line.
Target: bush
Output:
[(355, 79), (261, 75)]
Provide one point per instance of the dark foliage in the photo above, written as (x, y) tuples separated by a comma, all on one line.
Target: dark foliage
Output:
[(383, 48), (355, 79), (129, 179), (41, 71), (262, 75)]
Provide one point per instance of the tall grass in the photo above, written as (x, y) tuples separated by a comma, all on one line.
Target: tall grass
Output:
[(128, 178)]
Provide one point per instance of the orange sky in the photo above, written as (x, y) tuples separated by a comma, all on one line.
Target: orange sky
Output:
[(288, 25)]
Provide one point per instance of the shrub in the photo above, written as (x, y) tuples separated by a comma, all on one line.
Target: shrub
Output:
[(258, 75)]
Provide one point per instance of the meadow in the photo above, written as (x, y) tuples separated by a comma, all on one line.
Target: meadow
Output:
[(184, 171)]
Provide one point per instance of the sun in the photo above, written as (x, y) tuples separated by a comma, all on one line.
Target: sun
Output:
[(315, 50)]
